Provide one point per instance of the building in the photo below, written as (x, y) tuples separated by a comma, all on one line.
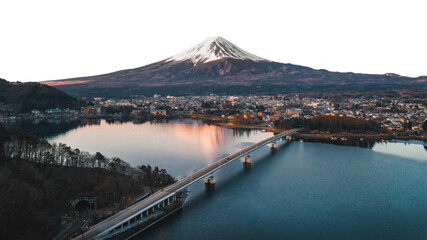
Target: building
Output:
[(158, 112), (292, 111)]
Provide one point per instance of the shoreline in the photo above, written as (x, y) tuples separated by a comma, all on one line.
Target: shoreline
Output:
[(220, 122), (358, 137), (316, 137), (223, 122)]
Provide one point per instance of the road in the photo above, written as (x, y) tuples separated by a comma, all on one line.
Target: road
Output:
[(83, 212), (133, 210)]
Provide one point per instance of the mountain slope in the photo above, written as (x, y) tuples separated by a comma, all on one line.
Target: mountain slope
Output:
[(24, 97), (218, 66), (213, 49)]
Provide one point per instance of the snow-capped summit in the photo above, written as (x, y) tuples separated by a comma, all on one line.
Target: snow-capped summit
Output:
[(218, 66), (213, 49)]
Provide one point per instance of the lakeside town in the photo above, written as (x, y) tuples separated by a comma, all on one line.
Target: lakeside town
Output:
[(402, 115)]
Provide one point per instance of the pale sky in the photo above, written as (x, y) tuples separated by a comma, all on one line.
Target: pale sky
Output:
[(48, 40)]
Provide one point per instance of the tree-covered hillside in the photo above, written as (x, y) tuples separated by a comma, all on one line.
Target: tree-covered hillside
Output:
[(24, 97)]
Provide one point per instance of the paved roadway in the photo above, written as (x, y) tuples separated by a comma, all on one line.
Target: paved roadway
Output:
[(83, 211), (133, 210)]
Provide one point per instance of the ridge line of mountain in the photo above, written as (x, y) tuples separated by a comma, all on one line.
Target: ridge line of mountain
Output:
[(220, 67)]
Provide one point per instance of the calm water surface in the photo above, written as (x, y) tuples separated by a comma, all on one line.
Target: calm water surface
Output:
[(179, 146), (301, 191)]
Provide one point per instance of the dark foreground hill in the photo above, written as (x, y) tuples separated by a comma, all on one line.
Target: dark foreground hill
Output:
[(218, 66), (33, 193), (24, 97), (38, 180)]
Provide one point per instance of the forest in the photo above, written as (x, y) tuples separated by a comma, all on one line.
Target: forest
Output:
[(25, 97), (38, 179), (332, 124)]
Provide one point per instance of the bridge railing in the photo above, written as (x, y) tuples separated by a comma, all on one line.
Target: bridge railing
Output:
[(234, 155), (195, 176)]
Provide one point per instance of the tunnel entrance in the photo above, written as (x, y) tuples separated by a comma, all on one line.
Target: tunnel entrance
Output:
[(82, 205)]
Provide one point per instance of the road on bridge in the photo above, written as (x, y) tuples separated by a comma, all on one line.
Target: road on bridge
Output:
[(124, 215)]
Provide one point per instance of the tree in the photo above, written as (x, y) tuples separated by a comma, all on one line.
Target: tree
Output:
[(148, 174), (100, 159), (4, 137), (75, 157), (336, 124), (289, 123), (118, 165)]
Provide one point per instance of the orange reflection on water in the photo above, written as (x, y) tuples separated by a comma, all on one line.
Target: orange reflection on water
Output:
[(150, 142), (207, 137)]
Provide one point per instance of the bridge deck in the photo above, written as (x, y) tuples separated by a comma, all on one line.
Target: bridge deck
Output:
[(169, 191)]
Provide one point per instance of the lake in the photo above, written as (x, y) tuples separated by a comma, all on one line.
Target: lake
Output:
[(300, 191)]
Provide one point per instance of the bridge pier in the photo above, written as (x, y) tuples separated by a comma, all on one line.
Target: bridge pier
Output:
[(273, 145), (144, 211), (210, 180), (247, 159)]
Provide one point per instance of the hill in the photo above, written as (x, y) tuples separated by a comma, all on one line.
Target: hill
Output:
[(219, 66), (24, 97), (38, 180)]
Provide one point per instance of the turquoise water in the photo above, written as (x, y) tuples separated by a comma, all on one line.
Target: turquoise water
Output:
[(301, 191), (307, 191)]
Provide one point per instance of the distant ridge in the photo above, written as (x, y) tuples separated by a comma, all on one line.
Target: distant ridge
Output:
[(24, 97), (219, 66)]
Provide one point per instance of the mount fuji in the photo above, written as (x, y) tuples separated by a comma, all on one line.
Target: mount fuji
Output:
[(214, 49), (219, 66)]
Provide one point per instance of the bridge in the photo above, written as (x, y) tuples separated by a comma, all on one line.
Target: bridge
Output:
[(141, 211)]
